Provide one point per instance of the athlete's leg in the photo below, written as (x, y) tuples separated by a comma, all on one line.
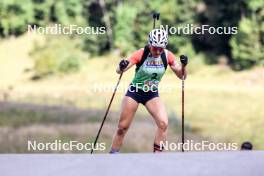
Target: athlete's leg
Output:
[(157, 109), (128, 109)]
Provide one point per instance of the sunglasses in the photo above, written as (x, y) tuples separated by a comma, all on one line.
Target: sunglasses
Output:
[(155, 49)]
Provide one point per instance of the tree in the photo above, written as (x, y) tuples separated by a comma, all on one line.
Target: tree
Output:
[(125, 16), (15, 15), (248, 44)]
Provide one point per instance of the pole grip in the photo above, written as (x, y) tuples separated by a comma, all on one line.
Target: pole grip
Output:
[(155, 17)]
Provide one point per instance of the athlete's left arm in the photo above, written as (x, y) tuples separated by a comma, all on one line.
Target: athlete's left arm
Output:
[(177, 68)]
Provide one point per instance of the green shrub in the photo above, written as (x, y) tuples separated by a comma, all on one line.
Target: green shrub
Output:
[(70, 64), (59, 55)]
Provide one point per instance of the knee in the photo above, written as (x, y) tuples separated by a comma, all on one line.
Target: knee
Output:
[(163, 125), (122, 129)]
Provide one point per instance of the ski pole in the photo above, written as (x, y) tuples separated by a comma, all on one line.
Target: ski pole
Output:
[(184, 61), (107, 110), (182, 108)]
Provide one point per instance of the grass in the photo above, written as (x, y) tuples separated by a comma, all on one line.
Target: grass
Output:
[(220, 104), (20, 123), (17, 117)]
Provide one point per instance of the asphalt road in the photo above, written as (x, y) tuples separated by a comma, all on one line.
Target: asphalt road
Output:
[(240, 163)]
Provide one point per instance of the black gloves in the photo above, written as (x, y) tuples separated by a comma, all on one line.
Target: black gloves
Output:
[(184, 60), (123, 64)]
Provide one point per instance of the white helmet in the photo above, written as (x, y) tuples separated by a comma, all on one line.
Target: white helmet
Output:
[(158, 38)]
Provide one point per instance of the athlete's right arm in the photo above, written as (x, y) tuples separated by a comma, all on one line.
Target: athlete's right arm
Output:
[(133, 59), (118, 70)]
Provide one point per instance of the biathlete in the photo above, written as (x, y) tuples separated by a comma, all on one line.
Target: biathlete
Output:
[(151, 63)]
